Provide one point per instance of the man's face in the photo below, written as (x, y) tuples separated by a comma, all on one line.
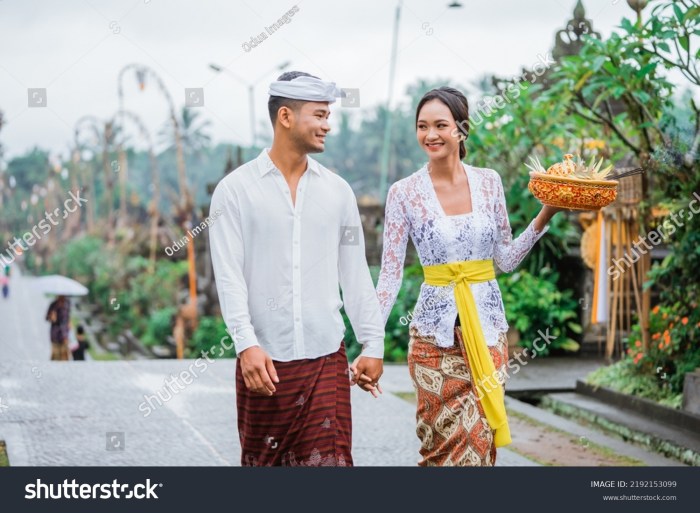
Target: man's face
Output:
[(309, 126)]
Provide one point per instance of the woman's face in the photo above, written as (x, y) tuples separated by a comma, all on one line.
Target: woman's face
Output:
[(434, 130)]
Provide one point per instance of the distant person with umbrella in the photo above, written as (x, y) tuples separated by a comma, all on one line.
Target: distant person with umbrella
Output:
[(59, 317), (59, 310)]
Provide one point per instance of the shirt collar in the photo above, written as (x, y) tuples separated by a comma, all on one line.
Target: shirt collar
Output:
[(265, 164)]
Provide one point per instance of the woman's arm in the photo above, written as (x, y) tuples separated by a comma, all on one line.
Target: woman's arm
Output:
[(509, 252), (396, 232), (545, 216)]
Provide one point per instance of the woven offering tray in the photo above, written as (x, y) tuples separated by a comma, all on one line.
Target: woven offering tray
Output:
[(573, 184)]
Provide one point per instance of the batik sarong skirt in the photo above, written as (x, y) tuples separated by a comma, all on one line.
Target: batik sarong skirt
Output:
[(451, 424)]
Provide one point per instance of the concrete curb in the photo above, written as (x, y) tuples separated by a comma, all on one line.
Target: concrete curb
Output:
[(663, 439)]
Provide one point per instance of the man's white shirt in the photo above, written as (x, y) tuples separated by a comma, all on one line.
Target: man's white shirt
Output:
[(279, 265)]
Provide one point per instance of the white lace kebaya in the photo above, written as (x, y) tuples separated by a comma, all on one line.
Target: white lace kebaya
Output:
[(413, 208)]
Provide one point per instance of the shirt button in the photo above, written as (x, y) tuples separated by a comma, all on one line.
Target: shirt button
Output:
[(296, 266), (297, 319)]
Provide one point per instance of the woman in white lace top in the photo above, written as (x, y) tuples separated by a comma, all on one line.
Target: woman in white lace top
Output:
[(453, 212)]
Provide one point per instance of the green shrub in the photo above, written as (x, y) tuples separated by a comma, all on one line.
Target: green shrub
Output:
[(673, 351), (534, 304), (160, 326), (211, 336), (627, 378)]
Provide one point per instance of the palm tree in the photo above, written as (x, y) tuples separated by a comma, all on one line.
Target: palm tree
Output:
[(193, 132)]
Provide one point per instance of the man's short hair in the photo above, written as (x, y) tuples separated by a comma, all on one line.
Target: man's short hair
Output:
[(275, 102)]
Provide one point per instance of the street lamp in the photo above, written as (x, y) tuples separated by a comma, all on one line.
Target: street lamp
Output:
[(251, 91), (386, 145), (638, 6), (384, 164)]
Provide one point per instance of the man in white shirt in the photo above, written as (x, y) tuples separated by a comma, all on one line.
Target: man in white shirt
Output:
[(288, 236)]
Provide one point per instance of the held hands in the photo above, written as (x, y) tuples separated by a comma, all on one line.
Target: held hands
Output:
[(366, 373), (260, 375), (258, 370)]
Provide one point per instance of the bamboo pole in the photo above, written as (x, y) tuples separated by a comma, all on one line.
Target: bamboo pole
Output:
[(612, 315), (632, 300)]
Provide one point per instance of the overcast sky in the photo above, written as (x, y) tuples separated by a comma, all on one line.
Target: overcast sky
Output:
[(76, 48)]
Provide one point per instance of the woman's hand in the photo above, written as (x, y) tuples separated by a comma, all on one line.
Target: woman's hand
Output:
[(550, 210), (366, 373), (545, 216)]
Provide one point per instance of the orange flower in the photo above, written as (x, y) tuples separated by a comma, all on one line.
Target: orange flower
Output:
[(594, 144), (638, 343), (655, 336), (655, 309), (670, 326), (664, 316), (684, 320)]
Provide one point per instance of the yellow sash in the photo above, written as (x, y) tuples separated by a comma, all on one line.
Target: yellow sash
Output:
[(484, 376)]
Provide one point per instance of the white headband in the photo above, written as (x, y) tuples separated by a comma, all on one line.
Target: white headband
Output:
[(306, 88)]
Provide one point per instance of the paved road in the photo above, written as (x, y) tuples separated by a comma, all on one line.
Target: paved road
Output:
[(66, 414), (25, 332), (74, 413)]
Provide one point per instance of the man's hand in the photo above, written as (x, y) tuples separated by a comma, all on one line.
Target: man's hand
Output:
[(366, 373), (258, 371)]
